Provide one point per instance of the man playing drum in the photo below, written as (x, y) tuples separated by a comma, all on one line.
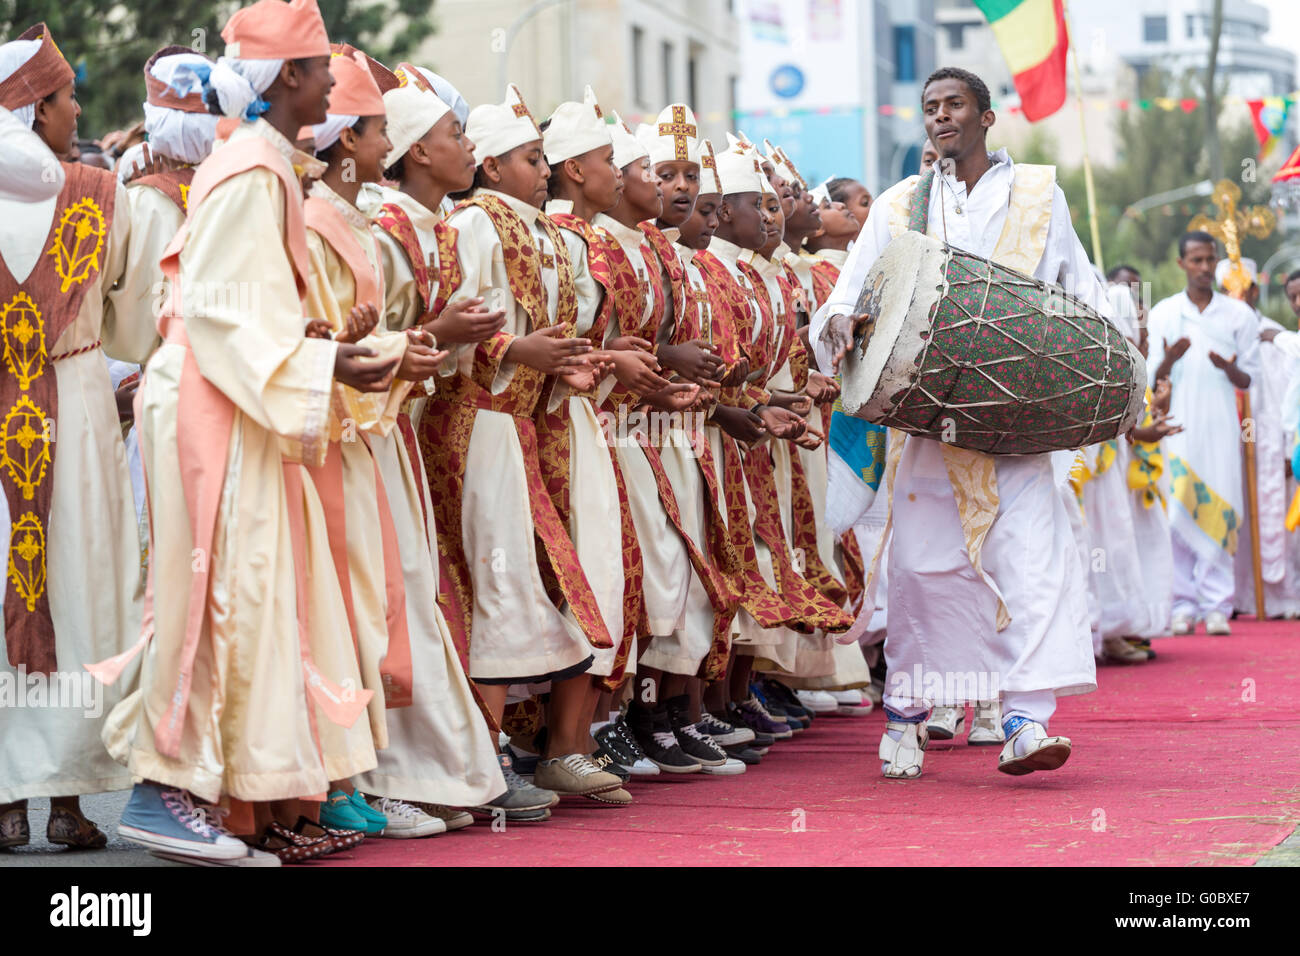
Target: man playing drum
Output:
[(986, 589)]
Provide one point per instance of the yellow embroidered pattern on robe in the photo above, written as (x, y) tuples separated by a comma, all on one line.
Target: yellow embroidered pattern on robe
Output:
[(25, 439), (1148, 465), (1212, 514), (1082, 471), (74, 256)]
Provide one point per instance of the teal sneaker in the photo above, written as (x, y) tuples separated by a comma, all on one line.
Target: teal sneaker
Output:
[(375, 822), (339, 812)]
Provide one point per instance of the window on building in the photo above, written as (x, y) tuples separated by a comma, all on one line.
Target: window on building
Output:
[(733, 99), (1155, 29), (905, 54), (667, 67), (638, 66), (956, 35)]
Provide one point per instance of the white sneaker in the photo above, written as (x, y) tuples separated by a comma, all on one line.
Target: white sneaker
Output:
[(644, 768), (1216, 622), (945, 722), (728, 769), (986, 728), (1030, 749), (818, 701), (903, 757), (405, 820), (852, 703), (1183, 624)]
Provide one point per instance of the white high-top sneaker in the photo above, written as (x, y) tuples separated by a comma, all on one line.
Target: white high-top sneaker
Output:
[(818, 701), (1216, 622), (903, 757), (986, 728), (945, 723)]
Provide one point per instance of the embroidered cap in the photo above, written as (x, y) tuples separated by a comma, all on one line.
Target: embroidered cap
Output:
[(627, 148), (777, 157), (45, 72), (275, 30), (709, 181), (575, 128), (673, 136), (497, 128), (739, 169), (413, 109)]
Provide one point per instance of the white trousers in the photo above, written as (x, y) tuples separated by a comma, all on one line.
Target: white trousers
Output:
[(1202, 584)]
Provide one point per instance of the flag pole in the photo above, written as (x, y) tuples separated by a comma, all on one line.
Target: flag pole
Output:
[(1083, 136)]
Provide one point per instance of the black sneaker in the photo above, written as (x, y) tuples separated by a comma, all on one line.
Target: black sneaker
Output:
[(699, 747), (604, 759), (641, 765), (745, 754), (610, 740), (657, 741), (786, 699)]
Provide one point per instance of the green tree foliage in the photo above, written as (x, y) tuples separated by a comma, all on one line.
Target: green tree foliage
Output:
[(1160, 150), (108, 42)]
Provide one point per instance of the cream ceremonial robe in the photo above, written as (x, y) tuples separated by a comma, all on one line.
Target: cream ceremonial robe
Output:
[(1206, 508), (595, 517), (52, 747), (1114, 559), (439, 748), (685, 648), (943, 613), (517, 633), (667, 565), (1273, 448), (331, 295), (251, 730)]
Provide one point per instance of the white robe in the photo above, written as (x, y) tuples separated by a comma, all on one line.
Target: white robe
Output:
[(942, 613), (1204, 403)]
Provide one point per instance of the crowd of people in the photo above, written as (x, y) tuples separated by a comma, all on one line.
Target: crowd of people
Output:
[(419, 463)]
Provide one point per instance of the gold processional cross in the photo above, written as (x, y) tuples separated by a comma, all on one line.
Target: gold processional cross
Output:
[(1230, 227)]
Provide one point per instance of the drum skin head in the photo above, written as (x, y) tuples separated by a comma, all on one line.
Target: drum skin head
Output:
[(900, 291)]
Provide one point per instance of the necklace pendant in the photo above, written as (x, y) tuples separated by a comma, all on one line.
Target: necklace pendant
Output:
[(959, 210)]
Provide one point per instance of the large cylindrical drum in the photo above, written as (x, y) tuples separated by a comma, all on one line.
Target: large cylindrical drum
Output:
[(972, 353)]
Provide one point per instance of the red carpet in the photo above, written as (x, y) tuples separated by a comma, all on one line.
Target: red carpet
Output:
[(1174, 764)]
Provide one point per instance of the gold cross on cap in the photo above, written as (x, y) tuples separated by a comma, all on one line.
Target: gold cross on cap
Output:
[(678, 129)]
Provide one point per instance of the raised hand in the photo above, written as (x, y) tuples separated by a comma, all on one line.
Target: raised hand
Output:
[(351, 369), (840, 333), (635, 369), (810, 439), (318, 329), (675, 397), (421, 358), (549, 350), (361, 322), (696, 360), (781, 422), (739, 423), (465, 321), (821, 388)]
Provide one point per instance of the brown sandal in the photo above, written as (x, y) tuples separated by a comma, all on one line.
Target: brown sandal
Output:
[(14, 830), (70, 828), (289, 846)]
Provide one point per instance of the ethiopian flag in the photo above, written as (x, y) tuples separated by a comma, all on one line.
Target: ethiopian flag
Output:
[(1033, 39)]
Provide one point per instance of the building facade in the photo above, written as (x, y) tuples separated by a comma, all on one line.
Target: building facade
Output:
[(637, 55)]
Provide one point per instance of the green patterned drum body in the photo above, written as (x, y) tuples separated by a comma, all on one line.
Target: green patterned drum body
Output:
[(966, 351)]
